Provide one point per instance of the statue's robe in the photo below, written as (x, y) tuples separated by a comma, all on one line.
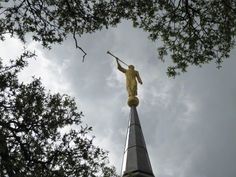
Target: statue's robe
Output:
[(131, 82)]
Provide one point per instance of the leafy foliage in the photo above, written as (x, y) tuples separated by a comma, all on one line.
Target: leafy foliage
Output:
[(52, 21), (37, 138), (193, 32)]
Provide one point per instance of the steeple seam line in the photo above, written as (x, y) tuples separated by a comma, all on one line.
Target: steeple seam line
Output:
[(136, 146)]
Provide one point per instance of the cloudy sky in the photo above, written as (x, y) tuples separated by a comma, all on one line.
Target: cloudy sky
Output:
[(189, 122)]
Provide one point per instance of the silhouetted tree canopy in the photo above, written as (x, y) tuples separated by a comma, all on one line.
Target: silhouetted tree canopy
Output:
[(191, 32), (41, 134)]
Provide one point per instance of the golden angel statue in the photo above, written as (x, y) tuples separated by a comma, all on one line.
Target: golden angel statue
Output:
[(132, 76)]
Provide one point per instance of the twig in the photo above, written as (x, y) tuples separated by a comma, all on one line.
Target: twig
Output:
[(77, 46)]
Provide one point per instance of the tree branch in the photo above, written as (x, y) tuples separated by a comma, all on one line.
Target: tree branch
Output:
[(77, 46)]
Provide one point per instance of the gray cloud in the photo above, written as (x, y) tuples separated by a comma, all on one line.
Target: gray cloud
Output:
[(188, 122)]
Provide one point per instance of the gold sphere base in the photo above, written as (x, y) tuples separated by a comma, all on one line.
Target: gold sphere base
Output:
[(133, 101)]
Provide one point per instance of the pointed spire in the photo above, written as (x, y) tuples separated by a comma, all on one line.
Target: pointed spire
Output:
[(136, 161)]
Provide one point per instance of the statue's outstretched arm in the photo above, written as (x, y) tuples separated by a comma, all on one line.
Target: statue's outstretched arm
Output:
[(120, 67), (139, 78)]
